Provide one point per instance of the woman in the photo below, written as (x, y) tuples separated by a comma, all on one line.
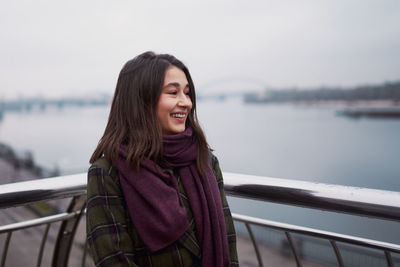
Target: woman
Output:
[(155, 191)]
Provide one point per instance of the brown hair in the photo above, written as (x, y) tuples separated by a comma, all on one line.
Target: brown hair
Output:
[(133, 118)]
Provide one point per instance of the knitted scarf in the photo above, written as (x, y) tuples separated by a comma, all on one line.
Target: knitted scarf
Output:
[(155, 206)]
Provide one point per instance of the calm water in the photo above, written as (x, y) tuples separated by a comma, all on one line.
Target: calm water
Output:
[(284, 141)]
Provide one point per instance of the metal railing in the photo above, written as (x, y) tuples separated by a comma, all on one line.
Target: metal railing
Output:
[(30, 192), (343, 199)]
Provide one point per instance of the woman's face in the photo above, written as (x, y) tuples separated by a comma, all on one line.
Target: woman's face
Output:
[(174, 104)]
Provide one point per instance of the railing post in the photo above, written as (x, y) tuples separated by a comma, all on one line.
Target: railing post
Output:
[(46, 231), (296, 257), (254, 241), (388, 258), (337, 253), (5, 250), (67, 232)]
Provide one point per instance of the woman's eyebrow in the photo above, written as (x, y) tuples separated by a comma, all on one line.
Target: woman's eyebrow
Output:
[(175, 84)]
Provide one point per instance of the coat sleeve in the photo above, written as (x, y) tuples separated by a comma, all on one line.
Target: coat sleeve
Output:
[(106, 225), (230, 227)]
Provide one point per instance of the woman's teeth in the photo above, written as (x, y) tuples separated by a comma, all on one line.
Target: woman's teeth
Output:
[(178, 115)]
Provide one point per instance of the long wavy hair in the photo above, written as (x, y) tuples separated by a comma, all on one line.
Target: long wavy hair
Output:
[(133, 118)]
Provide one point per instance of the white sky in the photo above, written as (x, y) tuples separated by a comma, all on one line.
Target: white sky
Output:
[(56, 48)]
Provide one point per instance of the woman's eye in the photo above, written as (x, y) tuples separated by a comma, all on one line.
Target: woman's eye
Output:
[(172, 93), (187, 93)]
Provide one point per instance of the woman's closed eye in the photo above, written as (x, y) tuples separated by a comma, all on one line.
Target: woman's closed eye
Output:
[(176, 92)]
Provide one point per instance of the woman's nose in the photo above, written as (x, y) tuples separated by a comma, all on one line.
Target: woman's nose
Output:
[(184, 100)]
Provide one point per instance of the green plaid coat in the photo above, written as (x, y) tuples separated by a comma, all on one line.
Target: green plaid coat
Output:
[(114, 241)]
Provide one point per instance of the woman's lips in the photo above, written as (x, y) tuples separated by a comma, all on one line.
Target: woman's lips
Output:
[(179, 116)]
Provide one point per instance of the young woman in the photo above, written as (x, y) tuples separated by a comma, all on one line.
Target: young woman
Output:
[(155, 191)]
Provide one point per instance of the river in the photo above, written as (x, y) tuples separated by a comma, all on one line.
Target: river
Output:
[(281, 140)]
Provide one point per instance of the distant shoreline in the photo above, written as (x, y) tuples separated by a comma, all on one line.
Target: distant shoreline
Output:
[(332, 103), (344, 103)]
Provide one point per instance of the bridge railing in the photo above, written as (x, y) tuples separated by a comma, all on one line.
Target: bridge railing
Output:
[(365, 202), (343, 199), (30, 192)]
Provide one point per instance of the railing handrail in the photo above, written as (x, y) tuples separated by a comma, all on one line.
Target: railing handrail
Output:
[(375, 203), (27, 192)]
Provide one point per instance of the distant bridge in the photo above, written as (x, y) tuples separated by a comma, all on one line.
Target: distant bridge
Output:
[(20, 105)]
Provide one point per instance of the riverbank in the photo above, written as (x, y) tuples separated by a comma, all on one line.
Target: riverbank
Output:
[(17, 167), (332, 103), (10, 174)]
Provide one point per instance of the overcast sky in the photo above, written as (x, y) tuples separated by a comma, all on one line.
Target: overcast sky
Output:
[(56, 48)]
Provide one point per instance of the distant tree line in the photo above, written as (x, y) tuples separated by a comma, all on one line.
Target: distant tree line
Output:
[(387, 91)]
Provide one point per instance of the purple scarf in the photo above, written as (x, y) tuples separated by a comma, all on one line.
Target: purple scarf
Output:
[(157, 210)]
